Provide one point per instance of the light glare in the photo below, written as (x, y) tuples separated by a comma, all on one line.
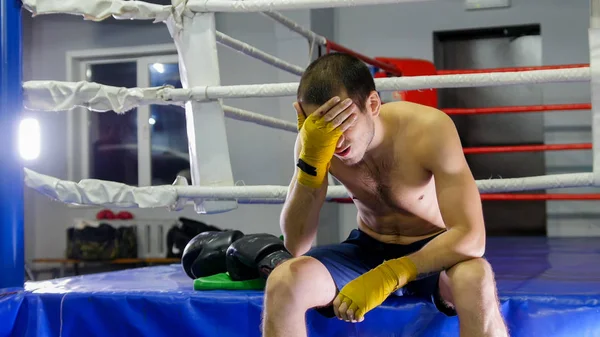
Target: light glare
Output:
[(29, 139)]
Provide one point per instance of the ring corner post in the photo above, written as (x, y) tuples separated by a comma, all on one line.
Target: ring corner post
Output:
[(12, 247), (210, 165), (594, 45)]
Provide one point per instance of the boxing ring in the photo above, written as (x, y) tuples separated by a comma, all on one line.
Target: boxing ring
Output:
[(547, 286)]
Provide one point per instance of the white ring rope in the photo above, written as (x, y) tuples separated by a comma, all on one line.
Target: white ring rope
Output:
[(60, 96), (393, 84), (398, 83), (270, 5), (98, 10), (107, 193), (483, 79), (258, 54), (551, 181), (102, 98), (253, 117), (57, 95), (293, 26)]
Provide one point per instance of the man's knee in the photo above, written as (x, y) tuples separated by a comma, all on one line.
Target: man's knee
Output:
[(473, 276), (301, 281)]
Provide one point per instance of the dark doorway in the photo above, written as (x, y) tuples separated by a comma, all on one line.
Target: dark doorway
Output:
[(496, 48)]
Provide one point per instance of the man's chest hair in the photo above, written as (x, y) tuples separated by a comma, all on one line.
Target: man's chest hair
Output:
[(388, 183)]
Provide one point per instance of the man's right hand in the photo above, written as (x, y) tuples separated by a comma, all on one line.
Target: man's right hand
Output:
[(319, 135)]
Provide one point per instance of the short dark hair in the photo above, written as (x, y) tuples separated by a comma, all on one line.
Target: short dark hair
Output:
[(331, 74)]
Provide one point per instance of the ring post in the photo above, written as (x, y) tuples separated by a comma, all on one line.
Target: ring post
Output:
[(594, 43), (194, 35), (12, 252)]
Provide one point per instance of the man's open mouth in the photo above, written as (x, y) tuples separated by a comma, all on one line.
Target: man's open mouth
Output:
[(344, 152)]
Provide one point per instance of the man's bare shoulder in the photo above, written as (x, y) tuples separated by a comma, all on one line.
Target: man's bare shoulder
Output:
[(416, 119), (431, 133)]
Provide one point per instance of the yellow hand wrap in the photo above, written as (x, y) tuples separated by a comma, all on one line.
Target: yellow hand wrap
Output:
[(319, 140), (372, 288)]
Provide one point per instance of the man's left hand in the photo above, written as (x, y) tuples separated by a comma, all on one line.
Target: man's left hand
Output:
[(369, 290)]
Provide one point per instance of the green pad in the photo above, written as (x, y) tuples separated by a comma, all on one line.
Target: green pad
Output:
[(223, 281)]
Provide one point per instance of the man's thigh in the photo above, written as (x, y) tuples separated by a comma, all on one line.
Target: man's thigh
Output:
[(360, 253), (344, 262), (475, 268)]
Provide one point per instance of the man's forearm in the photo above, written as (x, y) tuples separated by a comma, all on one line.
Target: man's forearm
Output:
[(300, 217), (447, 249)]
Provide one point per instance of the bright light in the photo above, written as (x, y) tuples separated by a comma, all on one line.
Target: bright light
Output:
[(29, 138), (152, 121), (159, 67)]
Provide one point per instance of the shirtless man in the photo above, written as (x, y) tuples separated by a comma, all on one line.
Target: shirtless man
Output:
[(420, 225)]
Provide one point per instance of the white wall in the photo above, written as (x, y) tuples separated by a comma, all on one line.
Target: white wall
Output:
[(406, 30), (259, 155)]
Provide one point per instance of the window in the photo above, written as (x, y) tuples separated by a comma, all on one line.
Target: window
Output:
[(113, 137), (167, 124), (142, 147)]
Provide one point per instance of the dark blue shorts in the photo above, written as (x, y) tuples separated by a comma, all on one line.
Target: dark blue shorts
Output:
[(360, 253)]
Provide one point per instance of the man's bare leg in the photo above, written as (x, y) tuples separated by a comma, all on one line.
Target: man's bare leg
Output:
[(293, 288), (470, 287)]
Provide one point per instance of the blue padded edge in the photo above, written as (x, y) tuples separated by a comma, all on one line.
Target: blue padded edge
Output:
[(548, 287)]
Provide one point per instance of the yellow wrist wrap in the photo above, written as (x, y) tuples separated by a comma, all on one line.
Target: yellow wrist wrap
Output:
[(372, 288), (319, 140)]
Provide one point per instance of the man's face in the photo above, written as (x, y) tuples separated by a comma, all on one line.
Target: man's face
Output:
[(355, 141)]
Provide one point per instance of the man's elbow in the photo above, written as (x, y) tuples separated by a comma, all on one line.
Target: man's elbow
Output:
[(478, 251), (477, 244), (473, 243), (295, 248), (295, 238)]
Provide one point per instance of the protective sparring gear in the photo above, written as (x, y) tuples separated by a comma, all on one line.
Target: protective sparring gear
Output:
[(319, 139), (180, 235), (106, 214), (254, 256), (372, 288), (124, 215), (204, 255)]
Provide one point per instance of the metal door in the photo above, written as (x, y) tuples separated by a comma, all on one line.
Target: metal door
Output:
[(495, 49)]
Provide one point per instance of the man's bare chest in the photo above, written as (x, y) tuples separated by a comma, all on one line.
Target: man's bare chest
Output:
[(396, 188)]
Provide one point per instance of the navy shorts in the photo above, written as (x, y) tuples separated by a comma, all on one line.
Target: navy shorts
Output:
[(360, 253)]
